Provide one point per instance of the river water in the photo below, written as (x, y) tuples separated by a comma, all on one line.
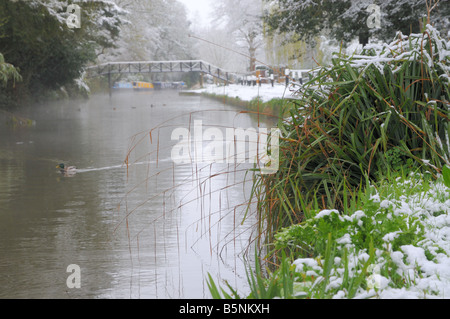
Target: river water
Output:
[(135, 223)]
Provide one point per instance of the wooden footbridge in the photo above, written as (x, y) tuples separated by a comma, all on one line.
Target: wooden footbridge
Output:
[(110, 68)]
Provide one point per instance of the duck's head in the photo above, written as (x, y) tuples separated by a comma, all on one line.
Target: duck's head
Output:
[(61, 166)]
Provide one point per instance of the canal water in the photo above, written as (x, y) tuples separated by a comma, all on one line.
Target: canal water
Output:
[(136, 224)]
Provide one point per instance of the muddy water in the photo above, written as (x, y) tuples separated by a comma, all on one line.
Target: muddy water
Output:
[(144, 229)]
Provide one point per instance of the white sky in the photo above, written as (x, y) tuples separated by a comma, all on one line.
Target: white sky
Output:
[(202, 7)]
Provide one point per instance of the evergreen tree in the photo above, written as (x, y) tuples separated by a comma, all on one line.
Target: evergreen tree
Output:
[(37, 38), (8, 72), (344, 20)]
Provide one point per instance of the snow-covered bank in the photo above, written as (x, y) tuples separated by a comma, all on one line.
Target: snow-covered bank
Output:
[(408, 225), (246, 93)]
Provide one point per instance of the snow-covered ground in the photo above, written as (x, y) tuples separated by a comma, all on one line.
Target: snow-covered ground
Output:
[(246, 93), (421, 269)]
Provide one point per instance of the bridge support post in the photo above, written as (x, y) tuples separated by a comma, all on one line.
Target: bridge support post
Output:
[(109, 81), (109, 85)]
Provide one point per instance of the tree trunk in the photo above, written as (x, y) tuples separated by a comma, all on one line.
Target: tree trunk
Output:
[(252, 52)]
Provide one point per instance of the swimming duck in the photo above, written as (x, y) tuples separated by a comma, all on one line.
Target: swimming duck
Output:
[(66, 169)]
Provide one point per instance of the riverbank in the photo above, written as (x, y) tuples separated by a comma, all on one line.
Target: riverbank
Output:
[(265, 92), (264, 99)]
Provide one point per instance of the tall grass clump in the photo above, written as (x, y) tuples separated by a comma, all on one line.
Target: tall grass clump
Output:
[(356, 121)]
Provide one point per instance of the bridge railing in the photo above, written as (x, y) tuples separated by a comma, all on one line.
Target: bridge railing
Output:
[(160, 67)]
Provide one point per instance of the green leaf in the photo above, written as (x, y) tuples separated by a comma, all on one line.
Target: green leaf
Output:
[(446, 174), (213, 288)]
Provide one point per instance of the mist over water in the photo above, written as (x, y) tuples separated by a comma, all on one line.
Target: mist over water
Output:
[(149, 229)]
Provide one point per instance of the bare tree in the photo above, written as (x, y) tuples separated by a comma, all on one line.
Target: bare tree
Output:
[(243, 19), (216, 54)]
